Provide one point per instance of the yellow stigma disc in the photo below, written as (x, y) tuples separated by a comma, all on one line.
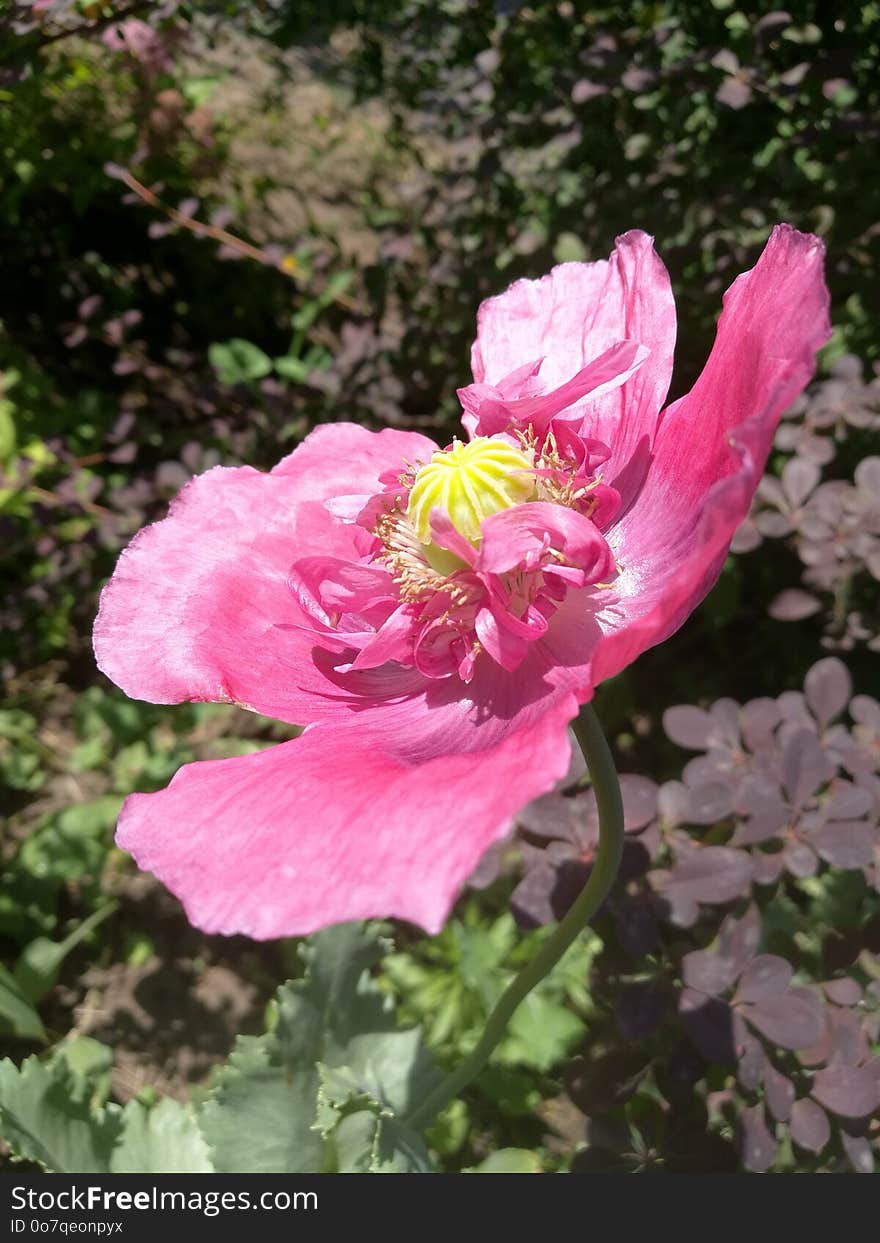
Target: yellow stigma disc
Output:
[(470, 482)]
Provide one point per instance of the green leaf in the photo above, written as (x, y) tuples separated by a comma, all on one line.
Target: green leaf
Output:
[(382, 1068), (370, 1143), (88, 1065), (336, 286), (37, 969), (16, 1012), (334, 1050), (844, 96), (391, 1067), (163, 1140), (568, 248), (303, 319), (290, 368), (508, 1161), (238, 361), (72, 842), (7, 429), (199, 90), (259, 1118), (41, 1121), (541, 1033)]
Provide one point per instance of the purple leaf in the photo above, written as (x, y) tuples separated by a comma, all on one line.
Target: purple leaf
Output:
[(757, 1146), (488, 61), (222, 216), (739, 938), (771, 23), (795, 75), (765, 977), (793, 605), (746, 538), (759, 718), (828, 688), (636, 926), (639, 801), (866, 711), (778, 1092), (773, 525), (637, 79), (851, 1091), (89, 306), (793, 1021), (762, 826), (531, 901), (843, 992), (767, 868), (489, 868), (859, 1152), (641, 1009), (688, 726), (585, 90), (819, 1053), (673, 801), (849, 1040), (710, 1024), (724, 714), (76, 336), (734, 93), (709, 803), (804, 767), (799, 478), (708, 769), (847, 845), (752, 1063), (710, 874), (706, 972), (548, 816), (846, 801), (726, 60), (809, 1125), (794, 711), (800, 860)]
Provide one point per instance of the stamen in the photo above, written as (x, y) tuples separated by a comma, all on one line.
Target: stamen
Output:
[(407, 558)]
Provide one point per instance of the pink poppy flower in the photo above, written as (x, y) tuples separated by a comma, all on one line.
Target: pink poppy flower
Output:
[(435, 618)]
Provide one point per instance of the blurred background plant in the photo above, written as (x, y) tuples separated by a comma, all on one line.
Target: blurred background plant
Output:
[(222, 223)]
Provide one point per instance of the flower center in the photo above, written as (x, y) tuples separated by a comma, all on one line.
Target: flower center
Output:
[(470, 482)]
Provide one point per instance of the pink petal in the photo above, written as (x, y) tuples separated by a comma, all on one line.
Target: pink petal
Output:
[(346, 822), (199, 606), (573, 315), (328, 586), (518, 538), (448, 537), (339, 459), (711, 448), (488, 413), (392, 641), (506, 641)]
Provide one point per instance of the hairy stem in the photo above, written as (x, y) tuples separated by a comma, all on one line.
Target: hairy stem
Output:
[(592, 742)]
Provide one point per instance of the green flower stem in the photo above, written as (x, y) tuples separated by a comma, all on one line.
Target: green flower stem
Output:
[(592, 742)]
